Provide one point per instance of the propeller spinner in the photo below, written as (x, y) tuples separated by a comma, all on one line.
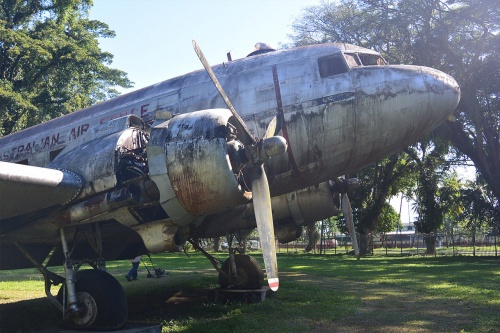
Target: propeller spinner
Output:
[(258, 151)]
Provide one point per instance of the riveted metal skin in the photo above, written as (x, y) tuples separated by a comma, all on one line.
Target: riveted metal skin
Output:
[(121, 188), (290, 210)]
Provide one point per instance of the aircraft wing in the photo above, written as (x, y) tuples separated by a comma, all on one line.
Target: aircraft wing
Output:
[(34, 191)]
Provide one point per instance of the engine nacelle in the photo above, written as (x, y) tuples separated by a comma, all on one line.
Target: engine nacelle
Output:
[(290, 212), (191, 159), (308, 205), (293, 210)]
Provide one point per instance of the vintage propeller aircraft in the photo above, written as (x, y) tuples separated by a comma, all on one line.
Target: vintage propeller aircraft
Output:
[(174, 162)]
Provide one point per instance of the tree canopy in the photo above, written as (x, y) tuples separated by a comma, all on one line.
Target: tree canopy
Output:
[(50, 61), (459, 37)]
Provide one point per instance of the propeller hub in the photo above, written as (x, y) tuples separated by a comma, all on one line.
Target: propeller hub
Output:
[(270, 147)]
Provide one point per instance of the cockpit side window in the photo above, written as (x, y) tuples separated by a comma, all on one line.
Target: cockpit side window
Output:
[(331, 65)]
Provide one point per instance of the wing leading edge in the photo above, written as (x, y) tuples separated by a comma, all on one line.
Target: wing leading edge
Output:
[(28, 189)]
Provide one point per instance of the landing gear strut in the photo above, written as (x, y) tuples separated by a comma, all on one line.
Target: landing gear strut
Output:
[(89, 298), (101, 302)]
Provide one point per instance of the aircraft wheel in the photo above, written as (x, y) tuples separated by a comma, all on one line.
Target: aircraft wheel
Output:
[(249, 273), (102, 301)]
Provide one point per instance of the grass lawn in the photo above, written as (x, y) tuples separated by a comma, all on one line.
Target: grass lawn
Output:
[(317, 294)]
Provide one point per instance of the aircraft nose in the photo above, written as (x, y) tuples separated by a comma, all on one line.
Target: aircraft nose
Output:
[(443, 88), (398, 105)]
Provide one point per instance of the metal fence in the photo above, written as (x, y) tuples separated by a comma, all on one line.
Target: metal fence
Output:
[(475, 244), (406, 243)]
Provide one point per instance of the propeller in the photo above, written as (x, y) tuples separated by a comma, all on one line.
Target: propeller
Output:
[(257, 151), (345, 185)]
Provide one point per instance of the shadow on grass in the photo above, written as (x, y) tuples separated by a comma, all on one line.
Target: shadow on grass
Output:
[(178, 295), (32, 315), (150, 301)]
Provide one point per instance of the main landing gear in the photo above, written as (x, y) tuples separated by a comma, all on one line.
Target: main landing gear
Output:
[(239, 271), (100, 301), (90, 298)]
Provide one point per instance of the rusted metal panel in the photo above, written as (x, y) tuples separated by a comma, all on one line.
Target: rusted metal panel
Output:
[(157, 161), (189, 161), (302, 207), (163, 235), (101, 204), (334, 123)]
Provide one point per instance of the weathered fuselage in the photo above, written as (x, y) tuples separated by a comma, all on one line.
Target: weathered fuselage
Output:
[(350, 117), (340, 108)]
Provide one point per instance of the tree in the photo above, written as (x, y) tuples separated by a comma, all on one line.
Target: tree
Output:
[(452, 215), (459, 37), (389, 220), (50, 61), (478, 207), (434, 195), (378, 183)]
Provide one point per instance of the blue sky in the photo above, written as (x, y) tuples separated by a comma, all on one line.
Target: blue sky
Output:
[(153, 37)]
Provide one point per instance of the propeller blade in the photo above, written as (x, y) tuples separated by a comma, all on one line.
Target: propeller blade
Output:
[(271, 129), (244, 134), (264, 218), (257, 152), (347, 210)]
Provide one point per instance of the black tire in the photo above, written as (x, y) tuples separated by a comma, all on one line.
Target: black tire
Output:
[(102, 291), (250, 274)]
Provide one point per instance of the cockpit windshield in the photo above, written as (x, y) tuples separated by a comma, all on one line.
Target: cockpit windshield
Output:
[(364, 59), (334, 64)]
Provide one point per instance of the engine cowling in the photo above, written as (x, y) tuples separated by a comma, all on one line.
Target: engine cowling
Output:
[(194, 158), (291, 212)]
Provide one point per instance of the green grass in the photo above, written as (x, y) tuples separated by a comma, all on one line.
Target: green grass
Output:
[(317, 294)]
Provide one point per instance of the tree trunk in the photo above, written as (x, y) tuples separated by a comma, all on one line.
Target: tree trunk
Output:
[(217, 245), (312, 237), (430, 243), (364, 244)]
